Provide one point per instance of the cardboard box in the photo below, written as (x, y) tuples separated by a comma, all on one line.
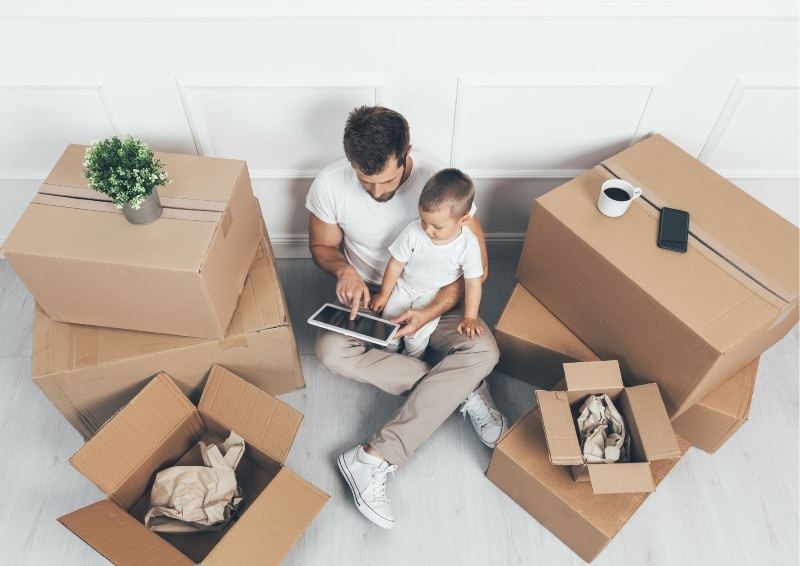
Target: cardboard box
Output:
[(89, 372), (585, 522), (182, 274), (709, 424), (687, 321), (534, 344), (160, 428), (646, 421)]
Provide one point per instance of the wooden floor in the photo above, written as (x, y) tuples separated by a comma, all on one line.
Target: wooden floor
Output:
[(737, 507)]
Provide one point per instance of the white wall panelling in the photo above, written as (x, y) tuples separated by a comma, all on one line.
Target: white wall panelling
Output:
[(522, 100), (551, 128)]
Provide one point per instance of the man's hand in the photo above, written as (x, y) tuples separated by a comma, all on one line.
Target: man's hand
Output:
[(378, 301), (351, 290), (470, 327), (411, 321)]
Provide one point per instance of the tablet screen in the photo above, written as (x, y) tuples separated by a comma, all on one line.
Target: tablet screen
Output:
[(361, 325)]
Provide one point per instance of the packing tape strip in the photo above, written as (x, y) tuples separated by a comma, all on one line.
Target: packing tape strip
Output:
[(102, 206), (167, 201), (768, 288)]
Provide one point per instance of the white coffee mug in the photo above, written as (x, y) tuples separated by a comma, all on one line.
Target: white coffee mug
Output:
[(616, 196)]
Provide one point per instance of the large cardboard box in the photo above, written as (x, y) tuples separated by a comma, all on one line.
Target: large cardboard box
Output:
[(709, 424), (685, 321), (534, 345), (585, 522), (160, 428), (89, 372), (646, 421), (182, 274)]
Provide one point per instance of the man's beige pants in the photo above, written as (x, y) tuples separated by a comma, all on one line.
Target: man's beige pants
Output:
[(435, 392)]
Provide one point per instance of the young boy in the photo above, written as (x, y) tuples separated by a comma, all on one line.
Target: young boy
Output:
[(431, 252)]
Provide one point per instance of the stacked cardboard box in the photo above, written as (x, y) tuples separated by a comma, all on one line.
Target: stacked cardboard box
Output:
[(117, 304), (160, 428), (593, 287), (533, 344)]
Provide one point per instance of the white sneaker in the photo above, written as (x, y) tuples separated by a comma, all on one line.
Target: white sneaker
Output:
[(489, 423), (366, 476)]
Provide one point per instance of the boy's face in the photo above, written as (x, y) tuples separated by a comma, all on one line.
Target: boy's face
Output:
[(440, 225)]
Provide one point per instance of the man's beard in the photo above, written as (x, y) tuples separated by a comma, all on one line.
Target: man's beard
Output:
[(383, 198)]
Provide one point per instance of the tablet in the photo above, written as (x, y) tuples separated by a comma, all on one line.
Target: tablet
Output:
[(365, 327)]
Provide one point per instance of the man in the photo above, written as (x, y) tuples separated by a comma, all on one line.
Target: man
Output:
[(363, 202)]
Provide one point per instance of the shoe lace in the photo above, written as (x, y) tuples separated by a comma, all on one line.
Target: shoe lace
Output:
[(479, 411), (379, 481)]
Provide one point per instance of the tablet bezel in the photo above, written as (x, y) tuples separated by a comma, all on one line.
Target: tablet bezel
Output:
[(313, 322)]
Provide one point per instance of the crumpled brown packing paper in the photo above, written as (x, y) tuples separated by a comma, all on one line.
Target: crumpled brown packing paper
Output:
[(190, 499), (602, 429)]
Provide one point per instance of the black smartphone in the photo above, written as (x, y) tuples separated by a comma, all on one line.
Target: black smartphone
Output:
[(673, 230)]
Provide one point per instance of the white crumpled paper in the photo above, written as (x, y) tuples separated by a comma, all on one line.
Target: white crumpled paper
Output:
[(602, 429), (190, 499)]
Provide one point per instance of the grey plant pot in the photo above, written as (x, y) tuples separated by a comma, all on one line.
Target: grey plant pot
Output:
[(148, 212)]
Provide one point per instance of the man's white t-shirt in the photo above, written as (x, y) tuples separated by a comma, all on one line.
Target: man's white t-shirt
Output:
[(431, 266), (369, 226)]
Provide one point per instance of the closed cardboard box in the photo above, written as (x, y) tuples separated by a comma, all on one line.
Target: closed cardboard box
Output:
[(160, 428), (585, 522), (687, 321), (182, 274), (646, 422), (89, 372), (534, 344), (709, 424)]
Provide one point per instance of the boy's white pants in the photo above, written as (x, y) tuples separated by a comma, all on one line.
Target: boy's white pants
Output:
[(403, 298)]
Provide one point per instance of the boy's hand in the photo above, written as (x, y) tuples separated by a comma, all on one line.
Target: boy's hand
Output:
[(378, 302), (470, 327)]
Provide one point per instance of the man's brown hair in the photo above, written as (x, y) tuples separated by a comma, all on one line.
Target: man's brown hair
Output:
[(372, 135), (448, 188)]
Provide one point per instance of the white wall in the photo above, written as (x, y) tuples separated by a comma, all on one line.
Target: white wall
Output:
[(521, 95)]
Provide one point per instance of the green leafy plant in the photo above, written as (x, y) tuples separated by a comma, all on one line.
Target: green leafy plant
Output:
[(124, 169)]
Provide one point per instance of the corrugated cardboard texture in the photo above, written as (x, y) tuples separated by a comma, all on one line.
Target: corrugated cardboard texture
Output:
[(583, 521), (84, 263), (89, 372), (633, 477), (534, 344), (590, 377), (685, 321), (266, 424), (559, 428), (120, 538), (157, 426), (647, 417), (709, 424), (276, 519)]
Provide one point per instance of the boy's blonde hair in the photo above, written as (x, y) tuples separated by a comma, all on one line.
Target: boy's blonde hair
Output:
[(448, 188)]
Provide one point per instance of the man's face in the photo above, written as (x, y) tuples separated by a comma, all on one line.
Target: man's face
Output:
[(382, 186)]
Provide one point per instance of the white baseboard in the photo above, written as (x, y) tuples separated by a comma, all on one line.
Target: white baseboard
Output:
[(499, 245)]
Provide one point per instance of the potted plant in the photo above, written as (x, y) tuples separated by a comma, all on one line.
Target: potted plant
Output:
[(127, 171)]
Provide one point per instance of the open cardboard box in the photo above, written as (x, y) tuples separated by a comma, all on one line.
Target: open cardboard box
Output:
[(182, 274), (160, 427), (687, 321), (646, 421)]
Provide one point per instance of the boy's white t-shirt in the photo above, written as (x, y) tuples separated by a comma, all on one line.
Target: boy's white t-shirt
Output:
[(369, 226), (431, 266)]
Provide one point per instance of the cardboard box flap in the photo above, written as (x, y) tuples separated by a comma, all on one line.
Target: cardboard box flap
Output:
[(120, 538), (264, 422), (559, 428), (593, 376), (649, 423), (766, 244), (621, 478), (132, 435), (276, 519), (198, 183)]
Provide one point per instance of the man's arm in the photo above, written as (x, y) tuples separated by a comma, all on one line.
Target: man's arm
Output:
[(448, 296), (323, 242)]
